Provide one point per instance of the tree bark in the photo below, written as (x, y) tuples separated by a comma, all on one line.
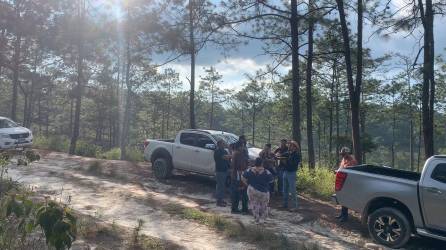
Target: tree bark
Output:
[(311, 160), (353, 90), (295, 82), (428, 88), (253, 123), (192, 66), (211, 121), (411, 122), (125, 125), (15, 75), (80, 79)]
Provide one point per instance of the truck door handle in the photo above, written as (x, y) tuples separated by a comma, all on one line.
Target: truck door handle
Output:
[(178, 147), (433, 190), (196, 150)]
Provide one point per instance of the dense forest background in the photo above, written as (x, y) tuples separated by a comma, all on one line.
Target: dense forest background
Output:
[(97, 73)]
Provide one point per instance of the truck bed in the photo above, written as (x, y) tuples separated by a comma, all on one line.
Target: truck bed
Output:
[(403, 174)]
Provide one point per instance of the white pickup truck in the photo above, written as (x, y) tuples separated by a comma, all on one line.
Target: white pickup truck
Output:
[(191, 151)]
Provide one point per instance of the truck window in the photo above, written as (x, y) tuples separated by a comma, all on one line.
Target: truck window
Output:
[(187, 139), (439, 173), (202, 140)]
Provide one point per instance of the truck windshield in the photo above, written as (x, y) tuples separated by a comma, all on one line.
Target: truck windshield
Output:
[(5, 123), (228, 138)]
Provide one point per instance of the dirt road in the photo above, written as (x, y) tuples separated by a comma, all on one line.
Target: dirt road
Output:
[(122, 192)]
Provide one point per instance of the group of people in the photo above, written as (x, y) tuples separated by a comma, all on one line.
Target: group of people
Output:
[(272, 172), (252, 183)]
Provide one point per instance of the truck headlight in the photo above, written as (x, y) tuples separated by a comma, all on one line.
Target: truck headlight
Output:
[(4, 136)]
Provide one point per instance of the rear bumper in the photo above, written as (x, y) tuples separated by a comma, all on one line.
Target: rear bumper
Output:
[(334, 199)]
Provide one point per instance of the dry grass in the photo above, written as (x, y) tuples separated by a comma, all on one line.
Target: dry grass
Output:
[(262, 237)]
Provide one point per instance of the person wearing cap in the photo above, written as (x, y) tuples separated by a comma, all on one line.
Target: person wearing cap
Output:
[(281, 153), (290, 175), (222, 164), (258, 179), (348, 160), (238, 188)]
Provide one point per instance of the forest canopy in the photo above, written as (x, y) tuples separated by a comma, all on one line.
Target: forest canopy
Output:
[(104, 74)]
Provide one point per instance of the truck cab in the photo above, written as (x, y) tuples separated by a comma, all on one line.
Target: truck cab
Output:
[(192, 150)]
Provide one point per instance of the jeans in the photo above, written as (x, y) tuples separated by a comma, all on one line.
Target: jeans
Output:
[(220, 189), (344, 212), (280, 180), (237, 195), (289, 186)]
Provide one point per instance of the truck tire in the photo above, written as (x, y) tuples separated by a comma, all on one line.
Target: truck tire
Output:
[(389, 227), (162, 168)]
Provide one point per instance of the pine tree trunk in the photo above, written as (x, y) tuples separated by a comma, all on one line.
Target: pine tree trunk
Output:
[(295, 85), (354, 90), (125, 125), (332, 104), (311, 160), (80, 79), (15, 75), (192, 66), (253, 124), (428, 88)]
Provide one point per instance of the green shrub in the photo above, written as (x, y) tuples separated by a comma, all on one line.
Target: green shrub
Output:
[(112, 154), (52, 142), (318, 182), (84, 148), (134, 154)]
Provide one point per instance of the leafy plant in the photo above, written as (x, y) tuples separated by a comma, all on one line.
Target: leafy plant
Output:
[(112, 154), (84, 148), (58, 224)]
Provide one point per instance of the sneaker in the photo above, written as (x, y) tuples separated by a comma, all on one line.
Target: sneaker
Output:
[(339, 216), (235, 211), (221, 204)]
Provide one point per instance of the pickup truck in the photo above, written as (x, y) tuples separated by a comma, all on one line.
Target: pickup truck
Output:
[(396, 204), (191, 151), (12, 135)]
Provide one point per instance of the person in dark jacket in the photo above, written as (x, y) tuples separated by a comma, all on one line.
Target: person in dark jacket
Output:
[(258, 179), (269, 162), (290, 175), (238, 188), (281, 153), (222, 165)]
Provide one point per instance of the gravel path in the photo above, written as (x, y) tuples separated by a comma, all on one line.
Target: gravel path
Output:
[(121, 192)]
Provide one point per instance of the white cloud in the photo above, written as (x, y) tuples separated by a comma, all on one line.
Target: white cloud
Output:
[(233, 70)]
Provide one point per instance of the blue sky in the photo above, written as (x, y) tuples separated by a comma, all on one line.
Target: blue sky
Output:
[(247, 59)]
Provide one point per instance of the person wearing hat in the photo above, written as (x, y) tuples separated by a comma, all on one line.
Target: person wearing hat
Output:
[(222, 164), (348, 160)]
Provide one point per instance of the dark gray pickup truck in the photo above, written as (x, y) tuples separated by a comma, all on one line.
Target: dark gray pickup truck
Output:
[(396, 204)]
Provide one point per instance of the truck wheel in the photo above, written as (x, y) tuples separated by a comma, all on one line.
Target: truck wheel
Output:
[(162, 168), (389, 227)]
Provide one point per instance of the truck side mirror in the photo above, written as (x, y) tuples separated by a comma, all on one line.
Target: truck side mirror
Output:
[(210, 146)]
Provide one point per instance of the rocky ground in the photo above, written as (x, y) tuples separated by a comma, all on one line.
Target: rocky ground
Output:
[(121, 193)]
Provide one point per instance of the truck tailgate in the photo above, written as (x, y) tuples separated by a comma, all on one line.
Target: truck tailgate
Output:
[(361, 187)]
